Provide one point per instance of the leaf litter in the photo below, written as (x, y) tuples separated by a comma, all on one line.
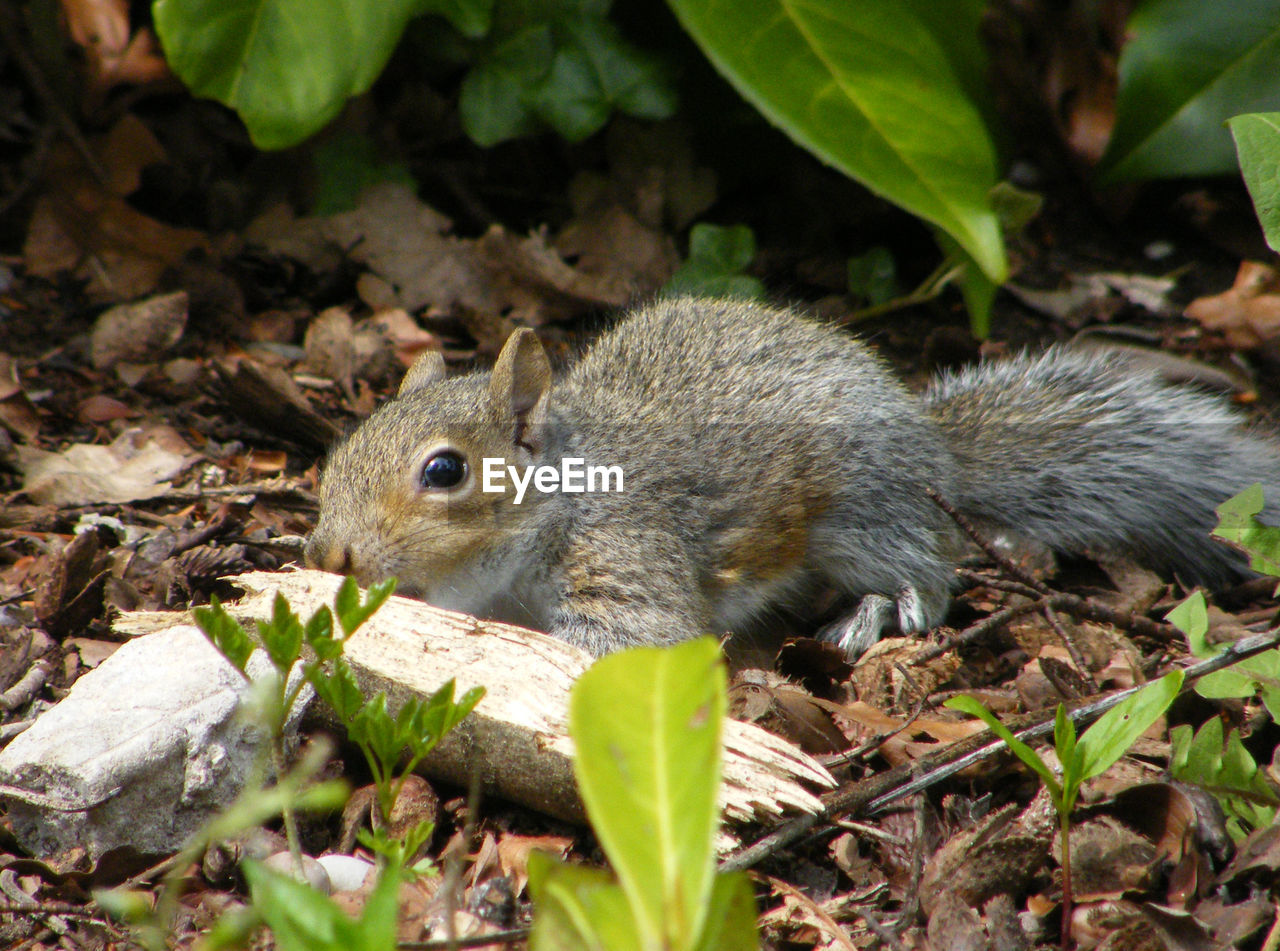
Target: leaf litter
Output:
[(169, 389)]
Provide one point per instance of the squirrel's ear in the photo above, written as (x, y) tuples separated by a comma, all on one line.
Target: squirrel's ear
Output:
[(427, 369), (521, 384)]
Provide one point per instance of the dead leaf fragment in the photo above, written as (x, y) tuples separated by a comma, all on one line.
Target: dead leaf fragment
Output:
[(1248, 313), (138, 331), (135, 466)]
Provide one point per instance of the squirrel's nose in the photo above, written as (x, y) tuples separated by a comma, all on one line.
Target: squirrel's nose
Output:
[(335, 558)]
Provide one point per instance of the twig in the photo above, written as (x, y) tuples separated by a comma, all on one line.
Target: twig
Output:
[(1069, 642), (1004, 561), (28, 686), (877, 793), (824, 920)]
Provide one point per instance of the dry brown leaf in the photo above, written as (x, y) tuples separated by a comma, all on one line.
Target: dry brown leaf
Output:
[(1248, 313), (514, 850), (138, 331), (135, 466), (17, 412)]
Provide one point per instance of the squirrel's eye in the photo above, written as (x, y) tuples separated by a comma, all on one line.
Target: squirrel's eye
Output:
[(444, 470)]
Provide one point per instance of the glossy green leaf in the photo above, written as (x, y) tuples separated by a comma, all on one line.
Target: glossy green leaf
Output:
[(1119, 728), (1188, 67), (867, 88), (1238, 524), (1257, 138), (286, 66), (646, 724)]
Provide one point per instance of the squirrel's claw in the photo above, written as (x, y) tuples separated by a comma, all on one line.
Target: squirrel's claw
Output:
[(875, 615)]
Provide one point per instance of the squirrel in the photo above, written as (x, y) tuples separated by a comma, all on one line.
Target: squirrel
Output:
[(764, 458)]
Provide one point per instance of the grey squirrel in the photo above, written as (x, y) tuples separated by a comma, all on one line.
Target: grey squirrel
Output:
[(764, 458)]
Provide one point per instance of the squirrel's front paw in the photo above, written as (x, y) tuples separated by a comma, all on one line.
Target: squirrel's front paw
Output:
[(875, 615)]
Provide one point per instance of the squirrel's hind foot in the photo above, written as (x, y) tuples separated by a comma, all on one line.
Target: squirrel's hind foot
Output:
[(875, 615)]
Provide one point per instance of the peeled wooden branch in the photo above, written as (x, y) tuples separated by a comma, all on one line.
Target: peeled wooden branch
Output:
[(516, 739)]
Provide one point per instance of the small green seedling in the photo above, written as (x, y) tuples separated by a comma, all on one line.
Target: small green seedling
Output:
[(718, 258), (383, 738), (1084, 758), (647, 723)]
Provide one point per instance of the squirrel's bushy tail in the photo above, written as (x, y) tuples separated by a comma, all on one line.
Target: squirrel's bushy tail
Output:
[(1091, 451)]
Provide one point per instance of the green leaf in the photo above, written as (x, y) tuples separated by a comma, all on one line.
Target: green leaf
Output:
[(346, 164), (1228, 772), (1191, 617), (302, 919), (971, 706), (1238, 524), (1188, 67), (1258, 146), (286, 66), (578, 907), (351, 611), (1064, 743), (873, 276), (867, 88), (1258, 675), (560, 64), (717, 256), (731, 915), (646, 724), (224, 632), (493, 101), (281, 635), (1117, 729)]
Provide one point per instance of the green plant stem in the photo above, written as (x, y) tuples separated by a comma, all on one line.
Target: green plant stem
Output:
[(929, 288), (1064, 819), (286, 811)]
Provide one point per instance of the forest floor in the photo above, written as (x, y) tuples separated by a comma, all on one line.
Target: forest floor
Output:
[(182, 335)]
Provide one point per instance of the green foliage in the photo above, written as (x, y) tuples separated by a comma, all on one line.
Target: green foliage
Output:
[(345, 165), (302, 919), (559, 64), (717, 257), (1258, 675), (873, 277), (1228, 772), (871, 89), (1255, 676), (1189, 66), (286, 66), (1257, 137), (383, 738), (1099, 746), (646, 724), (1238, 524)]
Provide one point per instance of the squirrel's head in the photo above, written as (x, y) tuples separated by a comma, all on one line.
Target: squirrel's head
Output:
[(405, 495)]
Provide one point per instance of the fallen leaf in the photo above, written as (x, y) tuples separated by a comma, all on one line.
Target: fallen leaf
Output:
[(134, 466), (141, 330), (1248, 313)]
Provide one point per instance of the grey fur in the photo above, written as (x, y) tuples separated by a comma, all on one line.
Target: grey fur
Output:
[(767, 457)]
